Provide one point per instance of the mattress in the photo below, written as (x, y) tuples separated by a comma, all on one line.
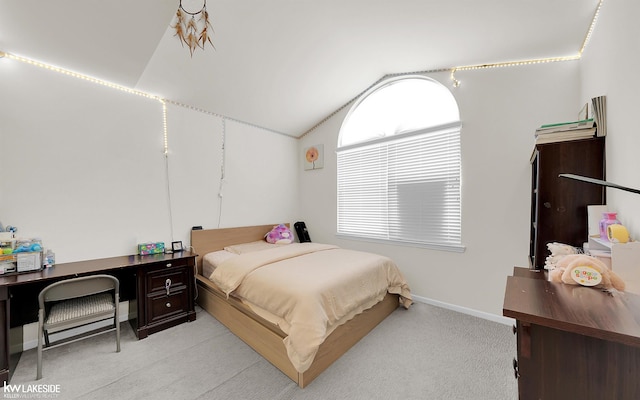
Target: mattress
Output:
[(307, 289)]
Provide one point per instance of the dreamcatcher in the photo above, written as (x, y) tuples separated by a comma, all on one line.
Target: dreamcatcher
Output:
[(192, 28)]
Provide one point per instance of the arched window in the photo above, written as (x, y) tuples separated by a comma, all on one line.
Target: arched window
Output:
[(399, 165)]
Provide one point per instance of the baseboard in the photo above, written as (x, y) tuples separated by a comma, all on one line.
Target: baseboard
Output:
[(480, 314)]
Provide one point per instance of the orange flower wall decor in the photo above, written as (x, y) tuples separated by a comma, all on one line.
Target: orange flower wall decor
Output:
[(314, 157)]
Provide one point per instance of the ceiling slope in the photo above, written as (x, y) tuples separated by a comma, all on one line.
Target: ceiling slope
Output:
[(284, 64)]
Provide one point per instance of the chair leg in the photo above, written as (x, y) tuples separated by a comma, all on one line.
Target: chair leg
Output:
[(40, 332), (117, 321), (117, 336)]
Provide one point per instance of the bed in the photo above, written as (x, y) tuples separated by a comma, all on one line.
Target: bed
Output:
[(257, 327)]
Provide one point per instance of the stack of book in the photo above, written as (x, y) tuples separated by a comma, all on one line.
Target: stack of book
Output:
[(582, 129), (599, 108), (565, 131)]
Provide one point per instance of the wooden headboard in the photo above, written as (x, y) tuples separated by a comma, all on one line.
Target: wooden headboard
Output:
[(208, 240)]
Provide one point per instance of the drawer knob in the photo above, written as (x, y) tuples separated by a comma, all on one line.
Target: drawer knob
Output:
[(168, 305), (168, 265), (167, 285)]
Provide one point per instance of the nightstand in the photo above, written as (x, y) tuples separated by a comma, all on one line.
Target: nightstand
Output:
[(164, 294)]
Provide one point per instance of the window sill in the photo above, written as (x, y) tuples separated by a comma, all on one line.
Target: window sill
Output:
[(459, 248)]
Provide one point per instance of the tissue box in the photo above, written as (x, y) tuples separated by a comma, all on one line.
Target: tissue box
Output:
[(150, 248), (31, 261)]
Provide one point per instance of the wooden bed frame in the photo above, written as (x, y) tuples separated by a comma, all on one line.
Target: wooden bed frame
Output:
[(262, 335)]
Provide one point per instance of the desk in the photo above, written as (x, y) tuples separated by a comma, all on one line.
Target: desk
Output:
[(573, 342), (143, 282)]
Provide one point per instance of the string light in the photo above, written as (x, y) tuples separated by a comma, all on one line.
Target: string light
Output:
[(164, 127), (79, 76), (591, 27), (456, 82)]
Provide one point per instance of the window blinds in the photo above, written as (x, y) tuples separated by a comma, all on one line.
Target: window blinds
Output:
[(405, 188)]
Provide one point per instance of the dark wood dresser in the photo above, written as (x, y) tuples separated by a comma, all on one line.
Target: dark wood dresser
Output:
[(559, 205), (573, 342)]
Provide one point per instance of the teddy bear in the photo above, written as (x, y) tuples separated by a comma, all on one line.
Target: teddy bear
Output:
[(280, 234), (581, 269)]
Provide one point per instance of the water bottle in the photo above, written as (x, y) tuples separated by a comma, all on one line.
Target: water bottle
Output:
[(49, 259)]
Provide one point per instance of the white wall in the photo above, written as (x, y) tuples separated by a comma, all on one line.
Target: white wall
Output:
[(500, 109), (74, 172), (260, 180), (610, 67), (83, 167)]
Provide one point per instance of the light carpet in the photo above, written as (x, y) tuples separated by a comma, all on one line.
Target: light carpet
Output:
[(425, 352)]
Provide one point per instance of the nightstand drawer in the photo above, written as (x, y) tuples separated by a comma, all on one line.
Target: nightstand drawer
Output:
[(158, 281), (167, 264), (163, 307)]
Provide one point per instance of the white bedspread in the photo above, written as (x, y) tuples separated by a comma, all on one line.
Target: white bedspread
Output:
[(311, 289)]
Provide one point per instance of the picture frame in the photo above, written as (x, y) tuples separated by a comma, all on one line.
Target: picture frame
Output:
[(176, 246), (314, 157)]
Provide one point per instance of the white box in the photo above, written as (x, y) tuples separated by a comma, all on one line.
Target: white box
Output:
[(6, 236), (625, 260)]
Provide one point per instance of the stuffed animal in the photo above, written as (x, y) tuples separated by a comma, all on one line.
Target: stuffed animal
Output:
[(280, 234), (581, 269), (558, 251)]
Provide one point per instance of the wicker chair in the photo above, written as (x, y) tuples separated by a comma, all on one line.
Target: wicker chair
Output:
[(76, 302)]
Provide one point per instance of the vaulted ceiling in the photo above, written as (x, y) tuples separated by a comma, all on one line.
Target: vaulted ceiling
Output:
[(285, 64)]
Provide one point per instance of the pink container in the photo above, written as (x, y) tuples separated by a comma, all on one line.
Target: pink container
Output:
[(608, 218)]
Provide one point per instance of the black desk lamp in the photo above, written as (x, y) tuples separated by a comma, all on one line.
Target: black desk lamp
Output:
[(598, 182)]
